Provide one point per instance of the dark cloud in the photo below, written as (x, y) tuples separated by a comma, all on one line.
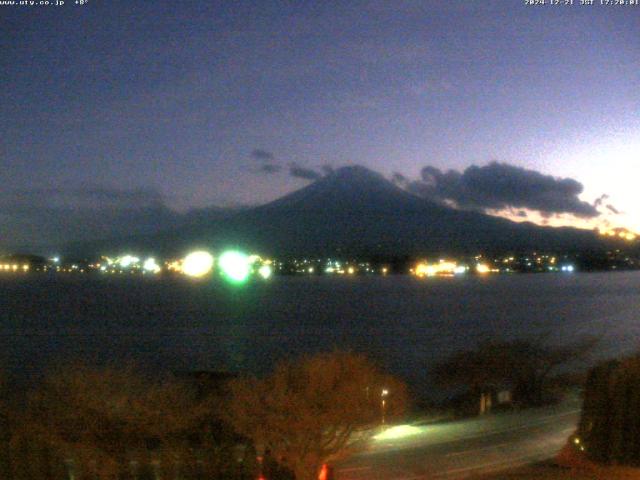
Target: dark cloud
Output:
[(270, 168), (613, 209), (262, 155), (270, 165), (305, 173), (600, 200), (500, 186), (522, 214)]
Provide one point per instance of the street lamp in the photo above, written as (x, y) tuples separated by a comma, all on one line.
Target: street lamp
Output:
[(383, 396)]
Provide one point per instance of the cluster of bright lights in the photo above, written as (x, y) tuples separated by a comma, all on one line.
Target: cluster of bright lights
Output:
[(14, 267), (150, 265), (265, 271), (483, 268), (443, 267), (128, 261), (235, 266), (197, 264), (232, 265), (174, 266), (336, 267)]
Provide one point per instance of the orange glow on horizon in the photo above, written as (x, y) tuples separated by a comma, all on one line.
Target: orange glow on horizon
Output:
[(602, 224)]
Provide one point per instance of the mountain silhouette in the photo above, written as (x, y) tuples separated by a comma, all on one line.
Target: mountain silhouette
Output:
[(357, 212)]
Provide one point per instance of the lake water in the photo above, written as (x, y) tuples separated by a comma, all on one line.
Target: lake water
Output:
[(404, 323)]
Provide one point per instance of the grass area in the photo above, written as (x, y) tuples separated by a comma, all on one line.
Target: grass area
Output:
[(553, 472)]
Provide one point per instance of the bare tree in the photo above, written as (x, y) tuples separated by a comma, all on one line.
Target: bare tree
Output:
[(110, 423), (524, 365), (314, 410)]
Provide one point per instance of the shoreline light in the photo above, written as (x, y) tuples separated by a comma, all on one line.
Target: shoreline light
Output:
[(197, 264), (234, 265), (265, 271), (443, 267), (482, 268), (150, 265), (128, 261)]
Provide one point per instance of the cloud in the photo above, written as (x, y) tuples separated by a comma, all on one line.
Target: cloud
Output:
[(613, 209), (500, 186), (269, 165), (262, 155), (600, 200), (305, 173)]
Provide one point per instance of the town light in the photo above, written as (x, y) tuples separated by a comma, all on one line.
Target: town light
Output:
[(197, 264), (460, 270), (443, 267), (128, 260), (482, 268), (150, 265), (234, 265), (265, 271)]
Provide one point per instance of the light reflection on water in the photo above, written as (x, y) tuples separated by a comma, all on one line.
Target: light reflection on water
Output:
[(404, 323)]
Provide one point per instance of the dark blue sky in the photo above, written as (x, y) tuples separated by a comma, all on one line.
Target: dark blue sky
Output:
[(194, 103)]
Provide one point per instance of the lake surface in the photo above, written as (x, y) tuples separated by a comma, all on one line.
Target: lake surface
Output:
[(404, 323)]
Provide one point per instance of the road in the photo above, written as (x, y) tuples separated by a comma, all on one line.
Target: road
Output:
[(461, 449)]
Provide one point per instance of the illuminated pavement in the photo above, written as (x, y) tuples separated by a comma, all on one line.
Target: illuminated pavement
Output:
[(465, 448)]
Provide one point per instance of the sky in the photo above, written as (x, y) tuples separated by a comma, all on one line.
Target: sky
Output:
[(181, 105)]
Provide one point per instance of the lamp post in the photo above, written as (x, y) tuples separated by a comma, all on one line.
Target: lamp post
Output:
[(383, 404)]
